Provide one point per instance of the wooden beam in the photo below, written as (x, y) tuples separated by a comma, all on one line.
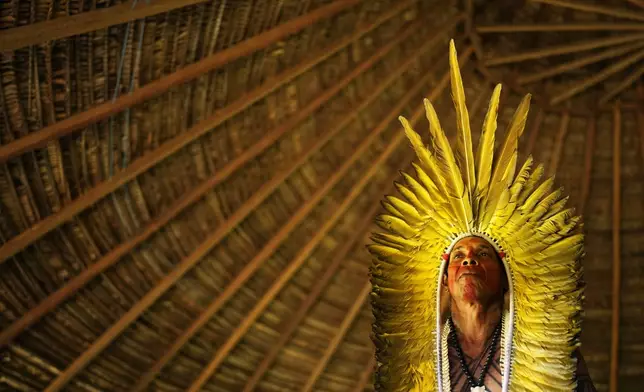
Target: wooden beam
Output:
[(111, 258), (549, 28), (559, 142), (623, 85), (639, 3), (103, 111), (337, 339), (596, 9), (588, 163), (366, 374), (85, 22), (187, 263), (564, 49), (598, 77), (469, 11), (534, 131), (296, 318), (171, 146), (617, 196), (640, 119), (579, 62), (218, 358)]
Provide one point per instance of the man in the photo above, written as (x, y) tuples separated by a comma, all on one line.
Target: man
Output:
[(476, 285), (477, 277)]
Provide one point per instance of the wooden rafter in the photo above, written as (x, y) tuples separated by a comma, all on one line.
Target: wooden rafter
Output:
[(398, 139), (337, 338), (564, 49), (366, 374), (591, 135), (617, 269), (154, 157), (596, 9), (640, 119), (68, 26), (593, 80), (578, 63), (623, 85), (639, 3), (549, 28), (101, 112), (559, 143), (197, 193), (187, 263), (534, 131)]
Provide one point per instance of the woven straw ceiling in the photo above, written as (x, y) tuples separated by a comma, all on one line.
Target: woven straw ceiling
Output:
[(187, 186)]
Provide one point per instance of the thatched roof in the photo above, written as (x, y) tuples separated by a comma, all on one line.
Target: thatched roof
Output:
[(186, 187)]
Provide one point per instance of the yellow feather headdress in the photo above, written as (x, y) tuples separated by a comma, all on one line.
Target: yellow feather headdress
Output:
[(456, 194)]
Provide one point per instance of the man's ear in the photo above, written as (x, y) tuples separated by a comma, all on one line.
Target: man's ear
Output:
[(444, 280)]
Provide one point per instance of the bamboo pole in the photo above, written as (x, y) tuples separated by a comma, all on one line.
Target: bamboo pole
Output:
[(111, 258), (103, 111), (578, 63), (171, 146), (593, 80), (550, 28), (337, 338), (564, 49), (218, 358), (596, 9), (614, 341), (68, 26), (559, 142), (366, 374), (623, 85), (588, 163)]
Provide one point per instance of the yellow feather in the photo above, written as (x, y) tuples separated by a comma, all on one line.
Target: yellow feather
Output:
[(424, 156), (427, 204), (395, 225), (485, 151), (429, 185), (407, 212), (451, 174), (411, 198), (505, 164), (464, 150)]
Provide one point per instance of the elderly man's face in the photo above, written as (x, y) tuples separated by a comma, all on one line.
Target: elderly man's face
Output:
[(474, 272)]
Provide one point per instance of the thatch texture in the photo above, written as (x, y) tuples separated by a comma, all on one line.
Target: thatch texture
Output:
[(184, 199)]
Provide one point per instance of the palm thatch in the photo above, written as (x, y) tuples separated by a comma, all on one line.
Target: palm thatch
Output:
[(186, 186)]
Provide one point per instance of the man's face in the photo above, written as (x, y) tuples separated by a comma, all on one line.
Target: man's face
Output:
[(474, 273)]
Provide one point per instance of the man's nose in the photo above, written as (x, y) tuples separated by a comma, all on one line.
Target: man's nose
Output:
[(468, 261)]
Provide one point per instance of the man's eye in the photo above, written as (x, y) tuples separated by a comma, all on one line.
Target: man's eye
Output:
[(458, 256), (484, 254)]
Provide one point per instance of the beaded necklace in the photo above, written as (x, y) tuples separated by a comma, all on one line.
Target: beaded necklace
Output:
[(476, 385)]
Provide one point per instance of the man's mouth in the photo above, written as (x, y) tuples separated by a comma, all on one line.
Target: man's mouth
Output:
[(468, 274)]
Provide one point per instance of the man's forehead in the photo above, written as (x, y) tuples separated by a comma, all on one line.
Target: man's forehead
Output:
[(472, 241)]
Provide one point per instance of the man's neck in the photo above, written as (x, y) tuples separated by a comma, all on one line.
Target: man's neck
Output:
[(475, 323)]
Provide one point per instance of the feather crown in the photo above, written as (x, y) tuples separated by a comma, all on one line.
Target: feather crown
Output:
[(456, 194)]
